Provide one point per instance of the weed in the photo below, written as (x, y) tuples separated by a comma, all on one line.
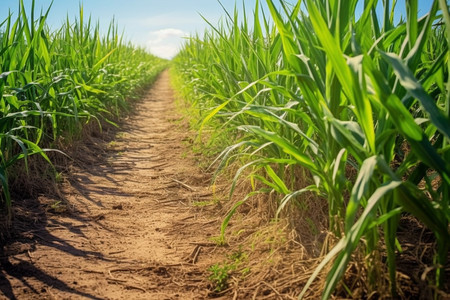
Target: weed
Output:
[(219, 276), (221, 272)]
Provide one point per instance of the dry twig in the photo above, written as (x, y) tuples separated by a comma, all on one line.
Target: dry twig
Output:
[(184, 185)]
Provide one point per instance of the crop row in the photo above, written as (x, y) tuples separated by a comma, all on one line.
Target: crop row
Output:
[(54, 82), (356, 102)]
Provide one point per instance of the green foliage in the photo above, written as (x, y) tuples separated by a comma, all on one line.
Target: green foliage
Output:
[(333, 94), (220, 272), (219, 276), (53, 82)]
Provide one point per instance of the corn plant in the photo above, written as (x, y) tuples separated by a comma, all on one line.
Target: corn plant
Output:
[(321, 90), (53, 82)]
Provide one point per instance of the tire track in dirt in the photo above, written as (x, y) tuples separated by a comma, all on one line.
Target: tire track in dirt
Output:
[(127, 229)]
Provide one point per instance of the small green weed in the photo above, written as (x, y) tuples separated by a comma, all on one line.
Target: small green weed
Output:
[(221, 272), (219, 276), (238, 256), (58, 207), (203, 203)]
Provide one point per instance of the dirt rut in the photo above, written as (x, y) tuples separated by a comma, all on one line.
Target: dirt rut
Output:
[(128, 229)]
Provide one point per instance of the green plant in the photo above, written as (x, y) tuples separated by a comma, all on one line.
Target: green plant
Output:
[(219, 276), (221, 272), (358, 104), (54, 82), (238, 256)]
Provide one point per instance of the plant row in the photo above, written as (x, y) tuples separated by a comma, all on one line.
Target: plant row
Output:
[(354, 102), (52, 82)]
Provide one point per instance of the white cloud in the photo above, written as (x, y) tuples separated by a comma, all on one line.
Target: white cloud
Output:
[(166, 34), (169, 19), (166, 42)]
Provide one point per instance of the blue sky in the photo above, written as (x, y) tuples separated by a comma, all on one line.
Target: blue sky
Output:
[(156, 25)]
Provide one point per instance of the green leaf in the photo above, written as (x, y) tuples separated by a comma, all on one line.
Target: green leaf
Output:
[(360, 189), (352, 238), (102, 60), (410, 83), (285, 146), (280, 186)]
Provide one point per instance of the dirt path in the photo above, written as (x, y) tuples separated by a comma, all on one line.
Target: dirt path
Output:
[(128, 229)]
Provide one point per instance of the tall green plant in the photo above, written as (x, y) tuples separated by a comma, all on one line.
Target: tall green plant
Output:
[(53, 82), (333, 94)]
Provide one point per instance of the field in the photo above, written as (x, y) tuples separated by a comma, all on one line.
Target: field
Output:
[(321, 133)]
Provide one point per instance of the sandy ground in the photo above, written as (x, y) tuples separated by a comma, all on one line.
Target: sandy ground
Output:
[(127, 228)]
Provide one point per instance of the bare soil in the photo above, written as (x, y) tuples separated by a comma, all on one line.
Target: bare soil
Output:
[(126, 228)]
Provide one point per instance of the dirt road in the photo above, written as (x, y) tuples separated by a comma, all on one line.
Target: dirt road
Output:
[(127, 229)]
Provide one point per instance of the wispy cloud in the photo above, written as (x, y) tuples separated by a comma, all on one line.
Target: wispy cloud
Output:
[(166, 20), (166, 42)]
